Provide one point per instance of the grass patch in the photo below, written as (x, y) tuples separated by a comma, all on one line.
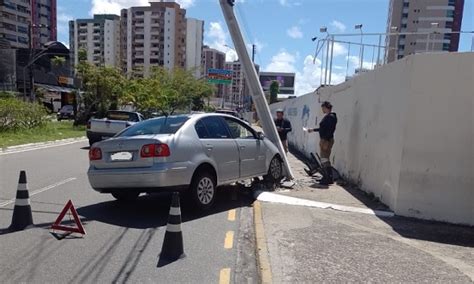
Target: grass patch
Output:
[(54, 130)]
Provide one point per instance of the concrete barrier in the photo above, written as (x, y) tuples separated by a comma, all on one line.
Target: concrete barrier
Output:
[(405, 134)]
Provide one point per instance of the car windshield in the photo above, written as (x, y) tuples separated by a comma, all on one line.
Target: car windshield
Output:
[(162, 125), (121, 115), (66, 108)]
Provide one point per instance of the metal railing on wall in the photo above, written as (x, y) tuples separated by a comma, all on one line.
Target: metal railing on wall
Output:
[(373, 50)]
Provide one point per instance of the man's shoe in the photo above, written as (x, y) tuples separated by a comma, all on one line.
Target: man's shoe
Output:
[(324, 181), (309, 172)]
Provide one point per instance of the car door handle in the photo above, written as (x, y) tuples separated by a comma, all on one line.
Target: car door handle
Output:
[(242, 147), (209, 147)]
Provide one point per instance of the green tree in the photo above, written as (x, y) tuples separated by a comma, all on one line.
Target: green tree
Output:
[(274, 90), (58, 60), (102, 87), (166, 91)]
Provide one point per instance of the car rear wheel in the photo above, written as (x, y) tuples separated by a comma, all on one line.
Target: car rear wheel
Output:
[(275, 170), (125, 196), (203, 190)]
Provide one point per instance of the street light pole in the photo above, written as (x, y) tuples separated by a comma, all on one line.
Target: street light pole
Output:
[(361, 55)]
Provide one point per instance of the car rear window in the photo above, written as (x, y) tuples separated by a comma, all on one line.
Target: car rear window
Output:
[(125, 116), (162, 125)]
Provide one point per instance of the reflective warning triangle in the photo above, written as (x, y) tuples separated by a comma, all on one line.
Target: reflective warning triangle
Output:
[(78, 229)]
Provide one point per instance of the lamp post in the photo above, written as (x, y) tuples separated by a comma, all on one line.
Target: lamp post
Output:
[(361, 55), (31, 28)]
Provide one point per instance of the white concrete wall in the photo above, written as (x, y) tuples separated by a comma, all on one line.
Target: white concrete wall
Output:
[(405, 133), (147, 44)]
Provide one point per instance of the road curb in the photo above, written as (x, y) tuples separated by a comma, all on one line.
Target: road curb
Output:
[(40, 145), (263, 262)]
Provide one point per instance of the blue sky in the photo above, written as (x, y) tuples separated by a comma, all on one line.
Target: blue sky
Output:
[(281, 29)]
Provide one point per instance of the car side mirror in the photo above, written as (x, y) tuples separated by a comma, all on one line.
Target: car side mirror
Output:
[(260, 135)]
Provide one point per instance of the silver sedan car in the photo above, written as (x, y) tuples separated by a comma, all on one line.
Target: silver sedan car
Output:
[(196, 153)]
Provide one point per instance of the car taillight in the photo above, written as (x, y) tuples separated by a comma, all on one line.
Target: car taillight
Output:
[(95, 154), (155, 150), (89, 124)]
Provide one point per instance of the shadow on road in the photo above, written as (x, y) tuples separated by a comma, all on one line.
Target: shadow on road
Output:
[(151, 211)]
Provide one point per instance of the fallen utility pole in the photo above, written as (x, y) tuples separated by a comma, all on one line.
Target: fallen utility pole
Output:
[(253, 83)]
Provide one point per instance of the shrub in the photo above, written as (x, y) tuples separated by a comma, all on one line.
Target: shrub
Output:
[(17, 115)]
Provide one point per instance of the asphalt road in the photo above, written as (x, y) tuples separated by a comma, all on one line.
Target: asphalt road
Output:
[(123, 240)]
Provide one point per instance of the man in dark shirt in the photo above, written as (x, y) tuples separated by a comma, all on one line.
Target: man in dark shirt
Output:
[(283, 126), (326, 129)]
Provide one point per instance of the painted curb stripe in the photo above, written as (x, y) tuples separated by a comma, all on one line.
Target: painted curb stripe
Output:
[(231, 215), (224, 276), (283, 199), (173, 228), (22, 202), (229, 240)]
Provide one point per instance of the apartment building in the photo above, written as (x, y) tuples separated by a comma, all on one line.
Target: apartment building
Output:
[(438, 18), (151, 36), (44, 29), (99, 37), (17, 16), (213, 59), (194, 39), (14, 21), (238, 92)]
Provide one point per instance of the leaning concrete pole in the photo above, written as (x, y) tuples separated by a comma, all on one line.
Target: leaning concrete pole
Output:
[(253, 83)]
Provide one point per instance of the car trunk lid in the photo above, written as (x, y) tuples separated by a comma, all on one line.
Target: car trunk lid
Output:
[(125, 152)]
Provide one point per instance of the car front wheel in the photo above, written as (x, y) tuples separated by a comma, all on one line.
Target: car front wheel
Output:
[(275, 170), (203, 190)]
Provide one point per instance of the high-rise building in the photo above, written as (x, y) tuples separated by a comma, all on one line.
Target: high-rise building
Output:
[(44, 29), (151, 36), (21, 18), (98, 37), (213, 59), (238, 93), (194, 38), (435, 17), (14, 21)]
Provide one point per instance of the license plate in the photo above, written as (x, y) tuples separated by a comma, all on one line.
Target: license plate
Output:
[(121, 156)]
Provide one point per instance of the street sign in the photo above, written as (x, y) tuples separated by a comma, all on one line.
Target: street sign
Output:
[(219, 76)]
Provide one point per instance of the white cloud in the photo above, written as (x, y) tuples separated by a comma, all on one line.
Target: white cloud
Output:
[(63, 21), (306, 80), (259, 46), (282, 62), (354, 62), (294, 32), (65, 44), (340, 27), (288, 3), (114, 6), (339, 49), (217, 38)]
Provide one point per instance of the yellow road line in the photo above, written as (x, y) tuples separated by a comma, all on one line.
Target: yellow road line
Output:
[(262, 251), (224, 276), (229, 240), (231, 215)]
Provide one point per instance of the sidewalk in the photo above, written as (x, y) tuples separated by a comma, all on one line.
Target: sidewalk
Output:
[(312, 245)]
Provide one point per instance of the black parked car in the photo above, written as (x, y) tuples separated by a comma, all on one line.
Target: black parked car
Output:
[(66, 112)]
